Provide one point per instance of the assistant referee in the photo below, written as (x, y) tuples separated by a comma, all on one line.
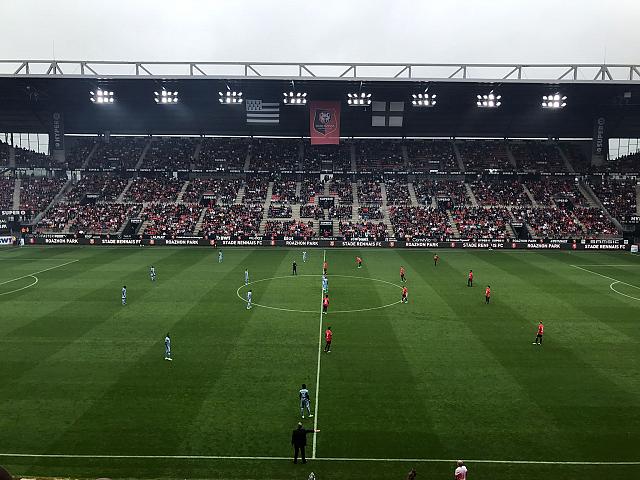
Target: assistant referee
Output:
[(299, 442)]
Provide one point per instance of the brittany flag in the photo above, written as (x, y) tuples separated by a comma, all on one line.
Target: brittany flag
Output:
[(262, 112)]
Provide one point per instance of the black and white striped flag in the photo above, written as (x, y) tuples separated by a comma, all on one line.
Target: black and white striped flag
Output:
[(262, 112)]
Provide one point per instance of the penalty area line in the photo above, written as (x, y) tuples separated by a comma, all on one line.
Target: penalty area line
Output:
[(325, 459), (39, 271)]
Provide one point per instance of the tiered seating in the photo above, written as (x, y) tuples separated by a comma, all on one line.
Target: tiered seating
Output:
[(379, 155), (479, 155), (222, 153), (481, 223), (232, 220), (274, 155), (576, 156), (37, 193), (292, 228), (280, 210), (57, 218), (595, 223), (426, 155), (372, 212), (341, 188), (550, 222), (77, 150), (341, 212), (102, 217), (309, 189), (619, 198), (30, 159), (538, 156), (6, 192), (499, 192), (397, 192), (107, 186), (311, 211), (419, 222), (170, 153), (625, 164), (284, 191), (4, 154), (255, 191), (369, 192), (120, 152), (369, 229), (225, 190), (545, 191), (170, 219), (159, 189), (339, 156)]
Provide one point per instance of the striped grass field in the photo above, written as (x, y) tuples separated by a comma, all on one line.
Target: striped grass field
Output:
[(85, 392)]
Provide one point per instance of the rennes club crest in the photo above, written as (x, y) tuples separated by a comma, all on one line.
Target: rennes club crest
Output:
[(325, 121)]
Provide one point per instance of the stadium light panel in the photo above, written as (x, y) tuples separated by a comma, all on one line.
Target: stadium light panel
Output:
[(423, 100), (358, 99), (295, 98), (490, 100), (230, 97), (166, 97), (102, 97), (554, 101)]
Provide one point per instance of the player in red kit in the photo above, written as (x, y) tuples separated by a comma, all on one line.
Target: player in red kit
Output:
[(470, 279), (325, 304), (328, 335), (538, 340), (325, 266), (487, 294), (359, 262), (436, 258), (402, 274), (405, 294)]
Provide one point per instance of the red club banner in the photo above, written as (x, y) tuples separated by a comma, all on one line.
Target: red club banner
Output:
[(324, 123)]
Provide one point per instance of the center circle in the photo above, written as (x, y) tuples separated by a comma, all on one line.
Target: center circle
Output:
[(242, 291)]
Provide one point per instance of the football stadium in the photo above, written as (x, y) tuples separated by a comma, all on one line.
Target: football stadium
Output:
[(319, 270)]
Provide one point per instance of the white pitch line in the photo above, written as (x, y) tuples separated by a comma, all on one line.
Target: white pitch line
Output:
[(607, 277), (620, 293), (325, 459), (23, 288), (35, 273), (315, 413)]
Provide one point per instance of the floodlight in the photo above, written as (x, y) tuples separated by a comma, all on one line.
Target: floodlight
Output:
[(362, 99), (557, 100), (423, 100), (294, 98), (230, 97), (490, 100), (102, 96), (166, 97)]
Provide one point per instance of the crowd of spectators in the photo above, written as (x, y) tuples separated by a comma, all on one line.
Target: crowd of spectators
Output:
[(118, 152), (255, 191), (479, 155), (397, 192), (31, 159), (232, 220), (311, 211), (552, 222), (594, 222), (625, 163), (157, 189), (170, 219), (546, 190), (380, 155), (7, 185), (280, 210), (222, 154), (274, 155), (341, 188), (372, 212), (5, 151), (170, 153), (419, 222), (481, 223), (341, 212), (225, 190), (101, 217), (107, 186), (284, 191), (290, 228), (537, 156), (577, 156), (427, 155), (310, 188), (37, 193), (618, 197), (499, 192), (327, 157), (369, 192), (364, 229), (77, 149)]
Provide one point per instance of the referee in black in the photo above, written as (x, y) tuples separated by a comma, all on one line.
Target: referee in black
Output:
[(299, 442), (294, 268)]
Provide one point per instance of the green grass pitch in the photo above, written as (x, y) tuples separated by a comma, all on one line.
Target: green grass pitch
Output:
[(442, 377)]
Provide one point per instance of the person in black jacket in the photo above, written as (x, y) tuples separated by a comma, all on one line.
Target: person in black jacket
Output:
[(299, 442)]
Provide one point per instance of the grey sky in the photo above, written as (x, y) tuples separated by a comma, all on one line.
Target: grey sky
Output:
[(497, 31)]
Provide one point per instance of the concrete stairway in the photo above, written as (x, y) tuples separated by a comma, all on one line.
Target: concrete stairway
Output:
[(196, 152), (356, 202), (182, 190), (55, 200), (144, 153), (120, 198), (638, 198), (454, 229), (405, 156), (385, 209), (87, 160), (510, 156), (12, 157), (471, 195), (240, 196), (510, 231), (295, 212), (354, 165), (327, 189), (530, 195), (298, 187), (588, 192), (16, 194), (456, 150), (412, 194), (200, 221), (265, 208), (567, 163), (247, 161)]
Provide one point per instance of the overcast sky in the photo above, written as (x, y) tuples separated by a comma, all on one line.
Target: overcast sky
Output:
[(492, 31)]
